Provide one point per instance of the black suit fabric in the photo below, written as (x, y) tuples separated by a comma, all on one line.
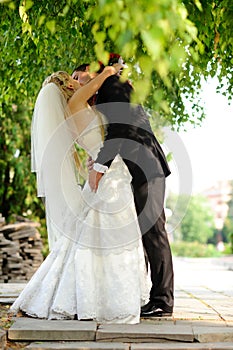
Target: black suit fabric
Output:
[(129, 134)]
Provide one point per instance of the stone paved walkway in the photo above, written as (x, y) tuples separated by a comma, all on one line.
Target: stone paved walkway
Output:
[(202, 319)]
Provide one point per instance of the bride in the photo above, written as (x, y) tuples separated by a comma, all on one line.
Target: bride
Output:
[(95, 268)]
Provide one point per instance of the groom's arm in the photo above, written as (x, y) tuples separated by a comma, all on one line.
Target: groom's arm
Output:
[(114, 102)]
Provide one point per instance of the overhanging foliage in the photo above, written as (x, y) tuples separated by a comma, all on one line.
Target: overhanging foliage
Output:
[(168, 45)]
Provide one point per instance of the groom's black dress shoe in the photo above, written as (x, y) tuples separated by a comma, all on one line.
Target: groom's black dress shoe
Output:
[(151, 310)]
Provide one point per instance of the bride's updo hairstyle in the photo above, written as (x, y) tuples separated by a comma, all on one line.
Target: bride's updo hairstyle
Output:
[(62, 80)]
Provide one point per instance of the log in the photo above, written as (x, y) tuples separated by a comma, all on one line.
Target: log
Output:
[(20, 250)]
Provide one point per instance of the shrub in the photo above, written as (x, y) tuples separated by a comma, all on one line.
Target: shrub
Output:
[(194, 249)]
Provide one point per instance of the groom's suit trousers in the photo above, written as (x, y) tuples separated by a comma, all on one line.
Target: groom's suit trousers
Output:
[(149, 202)]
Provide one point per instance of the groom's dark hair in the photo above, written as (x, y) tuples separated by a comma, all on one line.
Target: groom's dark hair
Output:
[(81, 68)]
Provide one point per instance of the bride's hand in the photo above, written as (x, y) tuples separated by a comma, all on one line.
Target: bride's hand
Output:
[(114, 69)]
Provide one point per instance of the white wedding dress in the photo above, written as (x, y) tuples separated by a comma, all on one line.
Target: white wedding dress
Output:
[(98, 272)]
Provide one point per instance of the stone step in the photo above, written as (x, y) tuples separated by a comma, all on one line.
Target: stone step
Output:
[(31, 329), (25, 328), (149, 333), (124, 346), (37, 329), (7, 301), (78, 346), (144, 332)]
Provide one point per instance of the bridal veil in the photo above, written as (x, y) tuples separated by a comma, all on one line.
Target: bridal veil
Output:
[(52, 147)]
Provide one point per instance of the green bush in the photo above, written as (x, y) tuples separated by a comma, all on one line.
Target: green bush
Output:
[(228, 249), (194, 249)]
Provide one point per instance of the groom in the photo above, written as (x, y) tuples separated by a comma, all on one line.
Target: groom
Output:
[(129, 134)]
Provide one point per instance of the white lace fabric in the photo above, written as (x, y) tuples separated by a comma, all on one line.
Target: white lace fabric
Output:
[(96, 267), (109, 288)]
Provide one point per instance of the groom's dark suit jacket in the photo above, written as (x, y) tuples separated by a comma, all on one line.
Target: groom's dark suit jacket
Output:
[(129, 134)]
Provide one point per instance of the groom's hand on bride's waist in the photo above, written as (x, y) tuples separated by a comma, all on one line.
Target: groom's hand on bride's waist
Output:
[(94, 178)]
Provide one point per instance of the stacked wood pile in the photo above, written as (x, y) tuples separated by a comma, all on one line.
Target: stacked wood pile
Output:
[(20, 251)]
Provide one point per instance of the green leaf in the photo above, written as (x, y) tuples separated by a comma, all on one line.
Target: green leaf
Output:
[(22, 13), (153, 45), (41, 20), (28, 4), (12, 5), (65, 10), (51, 25)]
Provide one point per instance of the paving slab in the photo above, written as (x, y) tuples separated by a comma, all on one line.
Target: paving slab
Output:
[(7, 301), (11, 289), (228, 318), (132, 346), (165, 321), (213, 334), (37, 329), (77, 346), (186, 316), (144, 333), (203, 323), (180, 346)]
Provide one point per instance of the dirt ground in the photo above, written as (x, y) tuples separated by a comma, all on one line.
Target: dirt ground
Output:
[(5, 323)]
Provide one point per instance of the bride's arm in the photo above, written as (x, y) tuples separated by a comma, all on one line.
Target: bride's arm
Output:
[(82, 95)]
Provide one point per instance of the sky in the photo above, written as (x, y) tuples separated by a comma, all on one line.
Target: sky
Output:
[(203, 155)]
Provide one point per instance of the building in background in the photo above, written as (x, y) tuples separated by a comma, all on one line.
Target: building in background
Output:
[(219, 196)]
